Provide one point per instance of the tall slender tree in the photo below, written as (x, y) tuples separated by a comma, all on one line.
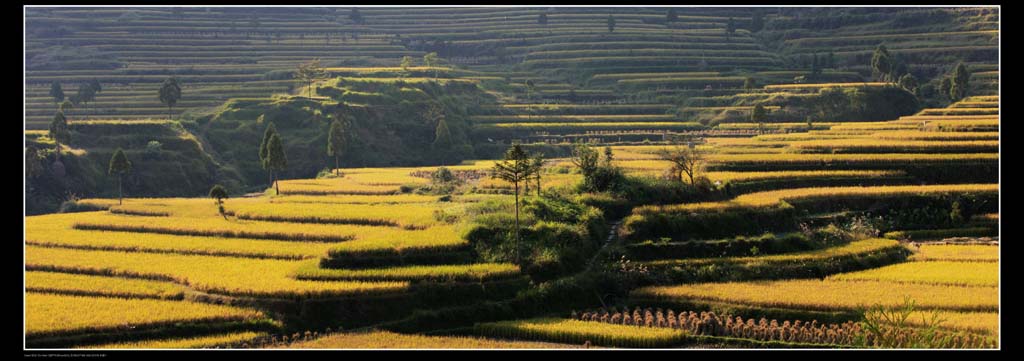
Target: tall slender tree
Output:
[(881, 63), (430, 61), (86, 94), (267, 134), (515, 169), (119, 165), (59, 132), (170, 93), (337, 140), (537, 167), (758, 115), (56, 92), (218, 193), (959, 82), (276, 160)]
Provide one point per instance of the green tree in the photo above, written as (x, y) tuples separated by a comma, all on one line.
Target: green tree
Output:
[(608, 156), (276, 160), (945, 87), (516, 168), (685, 160), (586, 159), (96, 86), (170, 93), (611, 23), (756, 21), (536, 167), (759, 115), (264, 146), (86, 93), (881, 63), (958, 87), (337, 140), (430, 60), (310, 72), (59, 132), (119, 165), (406, 63), (749, 83), (56, 92), (909, 83), (67, 105), (219, 194), (355, 16)]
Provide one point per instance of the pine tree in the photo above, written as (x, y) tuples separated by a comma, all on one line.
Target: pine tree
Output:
[(119, 165), (337, 141), (267, 134)]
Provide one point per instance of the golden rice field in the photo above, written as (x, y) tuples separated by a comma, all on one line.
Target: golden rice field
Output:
[(237, 228), (356, 199), (852, 248), (479, 272), (920, 135), (800, 174), (986, 323), (67, 283), (56, 230), (51, 314), (824, 85), (224, 275), (919, 146), (956, 253), (593, 125), (770, 198), (408, 215), (930, 272), (549, 180), (391, 340), (577, 332), (830, 294), (198, 342)]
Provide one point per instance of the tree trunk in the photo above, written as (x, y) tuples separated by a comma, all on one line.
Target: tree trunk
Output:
[(691, 177), (335, 164), (277, 186), (517, 223)]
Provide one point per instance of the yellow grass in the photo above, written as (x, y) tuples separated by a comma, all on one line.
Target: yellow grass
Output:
[(56, 230), (54, 282), (852, 248), (200, 342), (956, 252), (919, 135), (824, 85), (462, 272), (50, 314), (403, 215), (750, 176), (575, 331), (356, 199), (769, 198), (831, 295), (932, 272), (224, 275), (389, 340), (917, 145)]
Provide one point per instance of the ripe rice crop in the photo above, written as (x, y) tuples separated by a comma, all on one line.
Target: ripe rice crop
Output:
[(931, 272), (829, 295), (54, 315), (479, 272), (771, 198), (853, 248), (356, 199), (796, 332), (956, 252), (224, 275), (983, 125), (894, 146), (232, 228), (55, 230), (53, 282), (824, 85), (919, 135), (750, 176), (590, 119), (198, 342), (578, 332), (873, 160), (388, 340), (410, 216)]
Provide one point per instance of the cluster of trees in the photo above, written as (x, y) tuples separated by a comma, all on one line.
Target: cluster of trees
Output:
[(86, 93), (889, 68), (310, 72), (955, 85)]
